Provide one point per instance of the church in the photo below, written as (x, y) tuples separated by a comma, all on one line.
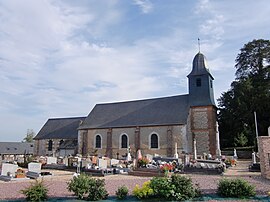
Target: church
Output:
[(156, 126)]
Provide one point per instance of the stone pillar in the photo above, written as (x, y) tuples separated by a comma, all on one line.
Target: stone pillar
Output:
[(137, 141), (84, 143), (264, 151), (109, 143), (170, 141), (218, 152)]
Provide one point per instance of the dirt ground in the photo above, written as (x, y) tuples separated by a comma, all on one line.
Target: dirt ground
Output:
[(57, 183)]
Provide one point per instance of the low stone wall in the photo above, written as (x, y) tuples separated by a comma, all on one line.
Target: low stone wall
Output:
[(240, 154)]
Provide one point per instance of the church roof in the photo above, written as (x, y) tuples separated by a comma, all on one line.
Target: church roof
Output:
[(199, 66), (16, 148), (158, 111), (60, 128)]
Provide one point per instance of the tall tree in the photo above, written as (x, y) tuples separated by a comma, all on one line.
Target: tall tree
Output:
[(29, 136), (249, 92)]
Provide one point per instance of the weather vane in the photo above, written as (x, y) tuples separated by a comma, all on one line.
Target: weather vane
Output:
[(199, 45)]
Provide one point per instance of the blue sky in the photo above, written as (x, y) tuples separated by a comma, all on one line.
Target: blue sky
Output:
[(60, 58)]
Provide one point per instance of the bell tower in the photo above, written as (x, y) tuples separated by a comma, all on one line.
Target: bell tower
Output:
[(200, 83), (202, 108)]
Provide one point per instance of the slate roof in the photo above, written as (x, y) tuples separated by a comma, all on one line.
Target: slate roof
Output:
[(60, 128), (16, 148), (68, 144), (150, 112), (199, 66)]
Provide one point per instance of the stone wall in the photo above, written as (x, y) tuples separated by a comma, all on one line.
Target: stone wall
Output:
[(203, 129), (264, 151), (41, 147), (138, 138)]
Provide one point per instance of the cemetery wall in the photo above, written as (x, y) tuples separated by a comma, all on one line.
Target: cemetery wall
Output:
[(264, 151)]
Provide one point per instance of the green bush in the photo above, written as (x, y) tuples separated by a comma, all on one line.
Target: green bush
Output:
[(36, 191), (79, 185), (144, 192), (177, 188), (237, 188), (183, 188), (162, 187), (97, 190), (121, 192)]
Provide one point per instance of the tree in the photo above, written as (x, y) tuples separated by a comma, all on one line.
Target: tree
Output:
[(29, 136), (249, 92)]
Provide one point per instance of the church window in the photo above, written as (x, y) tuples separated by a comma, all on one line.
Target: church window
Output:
[(124, 141), (50, 144), (211, 83), (198, 82), (154, 141), (98, 142)]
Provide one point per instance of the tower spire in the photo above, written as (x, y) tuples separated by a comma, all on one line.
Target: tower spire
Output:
[(199, 45)]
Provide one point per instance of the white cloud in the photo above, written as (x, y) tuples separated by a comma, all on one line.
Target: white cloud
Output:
[(59, 58), (145, 5)]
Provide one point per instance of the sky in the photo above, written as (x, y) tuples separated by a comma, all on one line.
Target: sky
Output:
[(60, 58)]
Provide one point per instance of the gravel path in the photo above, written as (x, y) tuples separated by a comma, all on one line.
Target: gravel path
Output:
[(57, 183)]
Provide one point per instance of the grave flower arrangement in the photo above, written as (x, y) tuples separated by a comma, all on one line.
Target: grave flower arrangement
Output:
[(142, 162), (167, 168)]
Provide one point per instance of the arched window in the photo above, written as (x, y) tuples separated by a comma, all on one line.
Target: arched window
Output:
[(50, 145), (98, 142), (124, 141), (154, 141)]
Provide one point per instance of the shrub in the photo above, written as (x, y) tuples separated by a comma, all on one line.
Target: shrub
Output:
[(36, 191), (121, 192), (97, 190), (79, 185), (177, 188), (237, 188), (162, 187), (144, 192), (184, 188)]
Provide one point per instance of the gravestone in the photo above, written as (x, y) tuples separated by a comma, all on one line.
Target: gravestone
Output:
[(102, 164), (65, 161), (34, 167), (9, 169), (114, 162), (51, 160), (149, 157)]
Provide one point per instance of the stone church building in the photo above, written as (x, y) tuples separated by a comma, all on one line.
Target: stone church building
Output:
[(155, 125)]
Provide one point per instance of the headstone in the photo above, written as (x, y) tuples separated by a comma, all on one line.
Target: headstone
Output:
[(102, 164), (65, 161), (149, 157), (253, 158), (269, 131), (195, 149), (34, 167), (139, 154), (186, 159), (234, 154), (114, 162), (175, 151), (9, 169), (51, 160)]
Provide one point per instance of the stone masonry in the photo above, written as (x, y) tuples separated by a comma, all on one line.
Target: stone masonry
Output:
[(264, 152)]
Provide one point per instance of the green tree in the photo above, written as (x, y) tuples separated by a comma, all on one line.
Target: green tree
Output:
[(249, 92), (29, 136)]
